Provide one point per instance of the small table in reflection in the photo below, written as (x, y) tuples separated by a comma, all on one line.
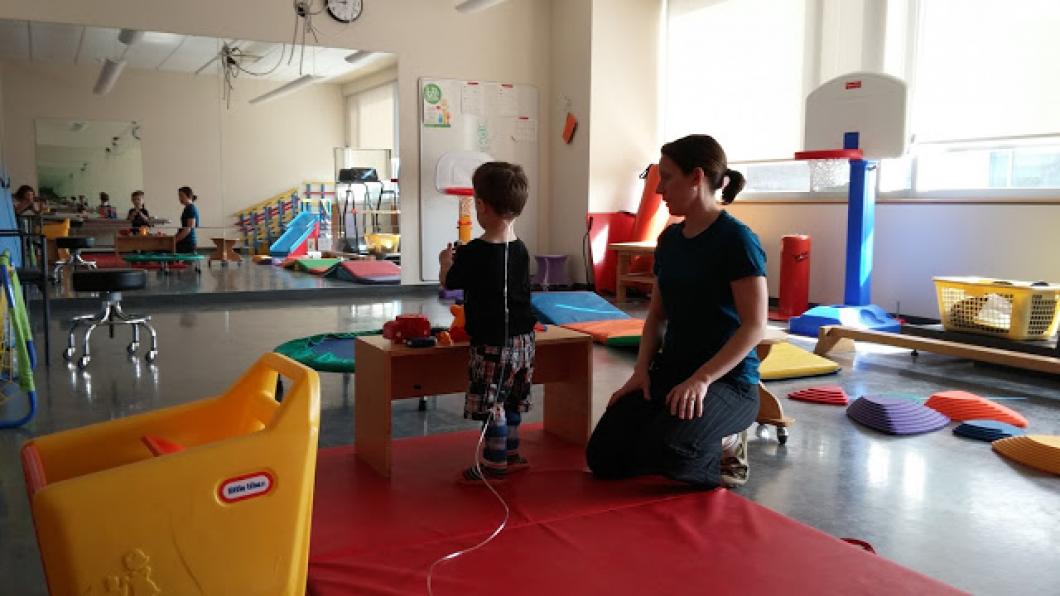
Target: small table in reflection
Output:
[(224, 252)]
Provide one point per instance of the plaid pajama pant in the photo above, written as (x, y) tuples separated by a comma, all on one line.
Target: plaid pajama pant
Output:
[(500, 374)]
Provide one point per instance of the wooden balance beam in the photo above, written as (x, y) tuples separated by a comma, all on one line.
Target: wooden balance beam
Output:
[(831, 335)]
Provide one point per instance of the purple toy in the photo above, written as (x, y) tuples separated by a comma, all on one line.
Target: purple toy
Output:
[(895, 416)]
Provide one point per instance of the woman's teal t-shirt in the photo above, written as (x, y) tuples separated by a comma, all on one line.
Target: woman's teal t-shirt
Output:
[(694, 277)]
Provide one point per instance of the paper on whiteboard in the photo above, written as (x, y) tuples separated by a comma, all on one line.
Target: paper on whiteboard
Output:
[(472, 99), (507, 100), (525, 131)]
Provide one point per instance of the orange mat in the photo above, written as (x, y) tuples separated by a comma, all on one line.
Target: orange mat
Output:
[(615, 332)]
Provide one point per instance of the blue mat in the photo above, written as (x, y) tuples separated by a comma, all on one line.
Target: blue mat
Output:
[(561, 308)]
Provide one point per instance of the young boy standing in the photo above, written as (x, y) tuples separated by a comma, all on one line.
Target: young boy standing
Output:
[(494, 272)]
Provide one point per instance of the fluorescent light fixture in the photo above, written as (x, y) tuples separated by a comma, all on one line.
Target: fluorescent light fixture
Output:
[(130, 36), (295, 85), (470, 6), (359, 56), (108, 75)]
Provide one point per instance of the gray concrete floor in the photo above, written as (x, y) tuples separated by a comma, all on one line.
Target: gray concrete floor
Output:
[(942, 505)]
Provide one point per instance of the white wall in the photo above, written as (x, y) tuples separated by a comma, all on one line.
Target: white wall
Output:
[(914, 241), (567, 198), (230, 157), (510, 42), (626, 36)]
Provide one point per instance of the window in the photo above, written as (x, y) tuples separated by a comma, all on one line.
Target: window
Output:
[(986, 69), (735, 70), (1020, 165), (984, 86), (373, 118), (984, 105)]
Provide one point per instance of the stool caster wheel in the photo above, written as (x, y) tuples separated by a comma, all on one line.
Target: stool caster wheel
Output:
[(68, 354), (132, 347), (83, 361), (782, 435), (762, 432), (151, 356)]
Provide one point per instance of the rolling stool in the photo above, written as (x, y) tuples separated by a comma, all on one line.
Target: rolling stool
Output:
[(110, 283), (74, 244), (551, 271)]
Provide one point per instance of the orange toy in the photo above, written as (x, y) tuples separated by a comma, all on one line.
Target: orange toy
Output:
[(961, 405), (1037, 451), (456, 331)]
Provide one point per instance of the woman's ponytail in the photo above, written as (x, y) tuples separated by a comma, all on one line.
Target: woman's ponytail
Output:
[(735, 185)]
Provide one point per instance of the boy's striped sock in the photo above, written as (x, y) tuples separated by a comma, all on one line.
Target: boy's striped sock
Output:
[(495, 449)]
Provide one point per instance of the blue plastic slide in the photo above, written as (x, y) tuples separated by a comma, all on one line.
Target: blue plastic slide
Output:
[(297, 232)]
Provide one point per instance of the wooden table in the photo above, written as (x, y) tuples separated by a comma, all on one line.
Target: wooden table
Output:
[(145, 244), (223, 252), (105, 231), (388, 372), (626, 251)]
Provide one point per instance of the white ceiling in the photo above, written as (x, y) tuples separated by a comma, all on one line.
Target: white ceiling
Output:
[(29, 41)]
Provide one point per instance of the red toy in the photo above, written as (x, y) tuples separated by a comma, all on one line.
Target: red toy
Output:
[(405, 327)]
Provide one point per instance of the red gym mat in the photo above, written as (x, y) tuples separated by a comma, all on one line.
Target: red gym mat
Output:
[(569, 533)]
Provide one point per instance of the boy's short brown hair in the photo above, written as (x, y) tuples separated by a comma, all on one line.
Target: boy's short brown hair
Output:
[(502, 186)]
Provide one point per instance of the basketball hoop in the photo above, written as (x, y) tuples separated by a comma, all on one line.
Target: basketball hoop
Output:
[(829, 169)]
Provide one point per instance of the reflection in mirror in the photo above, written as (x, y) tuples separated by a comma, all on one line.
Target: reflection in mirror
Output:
[(79, 162), (258, 130)]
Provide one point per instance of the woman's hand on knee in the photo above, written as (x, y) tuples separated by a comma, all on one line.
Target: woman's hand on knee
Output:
[(686, 400), (638, 381)]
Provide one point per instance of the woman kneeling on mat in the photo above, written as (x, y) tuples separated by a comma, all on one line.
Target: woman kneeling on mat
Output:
[(687, 403)]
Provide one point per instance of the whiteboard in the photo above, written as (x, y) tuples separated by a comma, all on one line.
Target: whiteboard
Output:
[(497, 119)]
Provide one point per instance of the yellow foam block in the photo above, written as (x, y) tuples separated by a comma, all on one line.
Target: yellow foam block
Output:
[(788, 361)]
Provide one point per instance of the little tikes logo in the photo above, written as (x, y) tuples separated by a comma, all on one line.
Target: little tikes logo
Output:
[(853, 85), (245, 487)]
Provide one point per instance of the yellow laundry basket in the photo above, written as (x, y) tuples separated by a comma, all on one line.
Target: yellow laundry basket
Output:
[(1013, 309), (224, 509)]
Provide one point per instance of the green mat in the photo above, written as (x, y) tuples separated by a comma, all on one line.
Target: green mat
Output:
[(326, 352), (161, 257), (315, 266)]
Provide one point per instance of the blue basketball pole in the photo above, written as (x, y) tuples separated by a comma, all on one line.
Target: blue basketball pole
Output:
[(857, 310), (861, 210)]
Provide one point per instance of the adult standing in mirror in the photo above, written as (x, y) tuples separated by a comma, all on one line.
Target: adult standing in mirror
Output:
[(138, 216), (189, 220)]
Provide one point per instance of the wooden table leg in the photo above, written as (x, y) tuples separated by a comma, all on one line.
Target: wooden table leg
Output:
[(372, 394), (568, 403), (623, 269)]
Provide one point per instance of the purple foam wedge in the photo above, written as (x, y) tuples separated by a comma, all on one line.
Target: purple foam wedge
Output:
[(895, 416)]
